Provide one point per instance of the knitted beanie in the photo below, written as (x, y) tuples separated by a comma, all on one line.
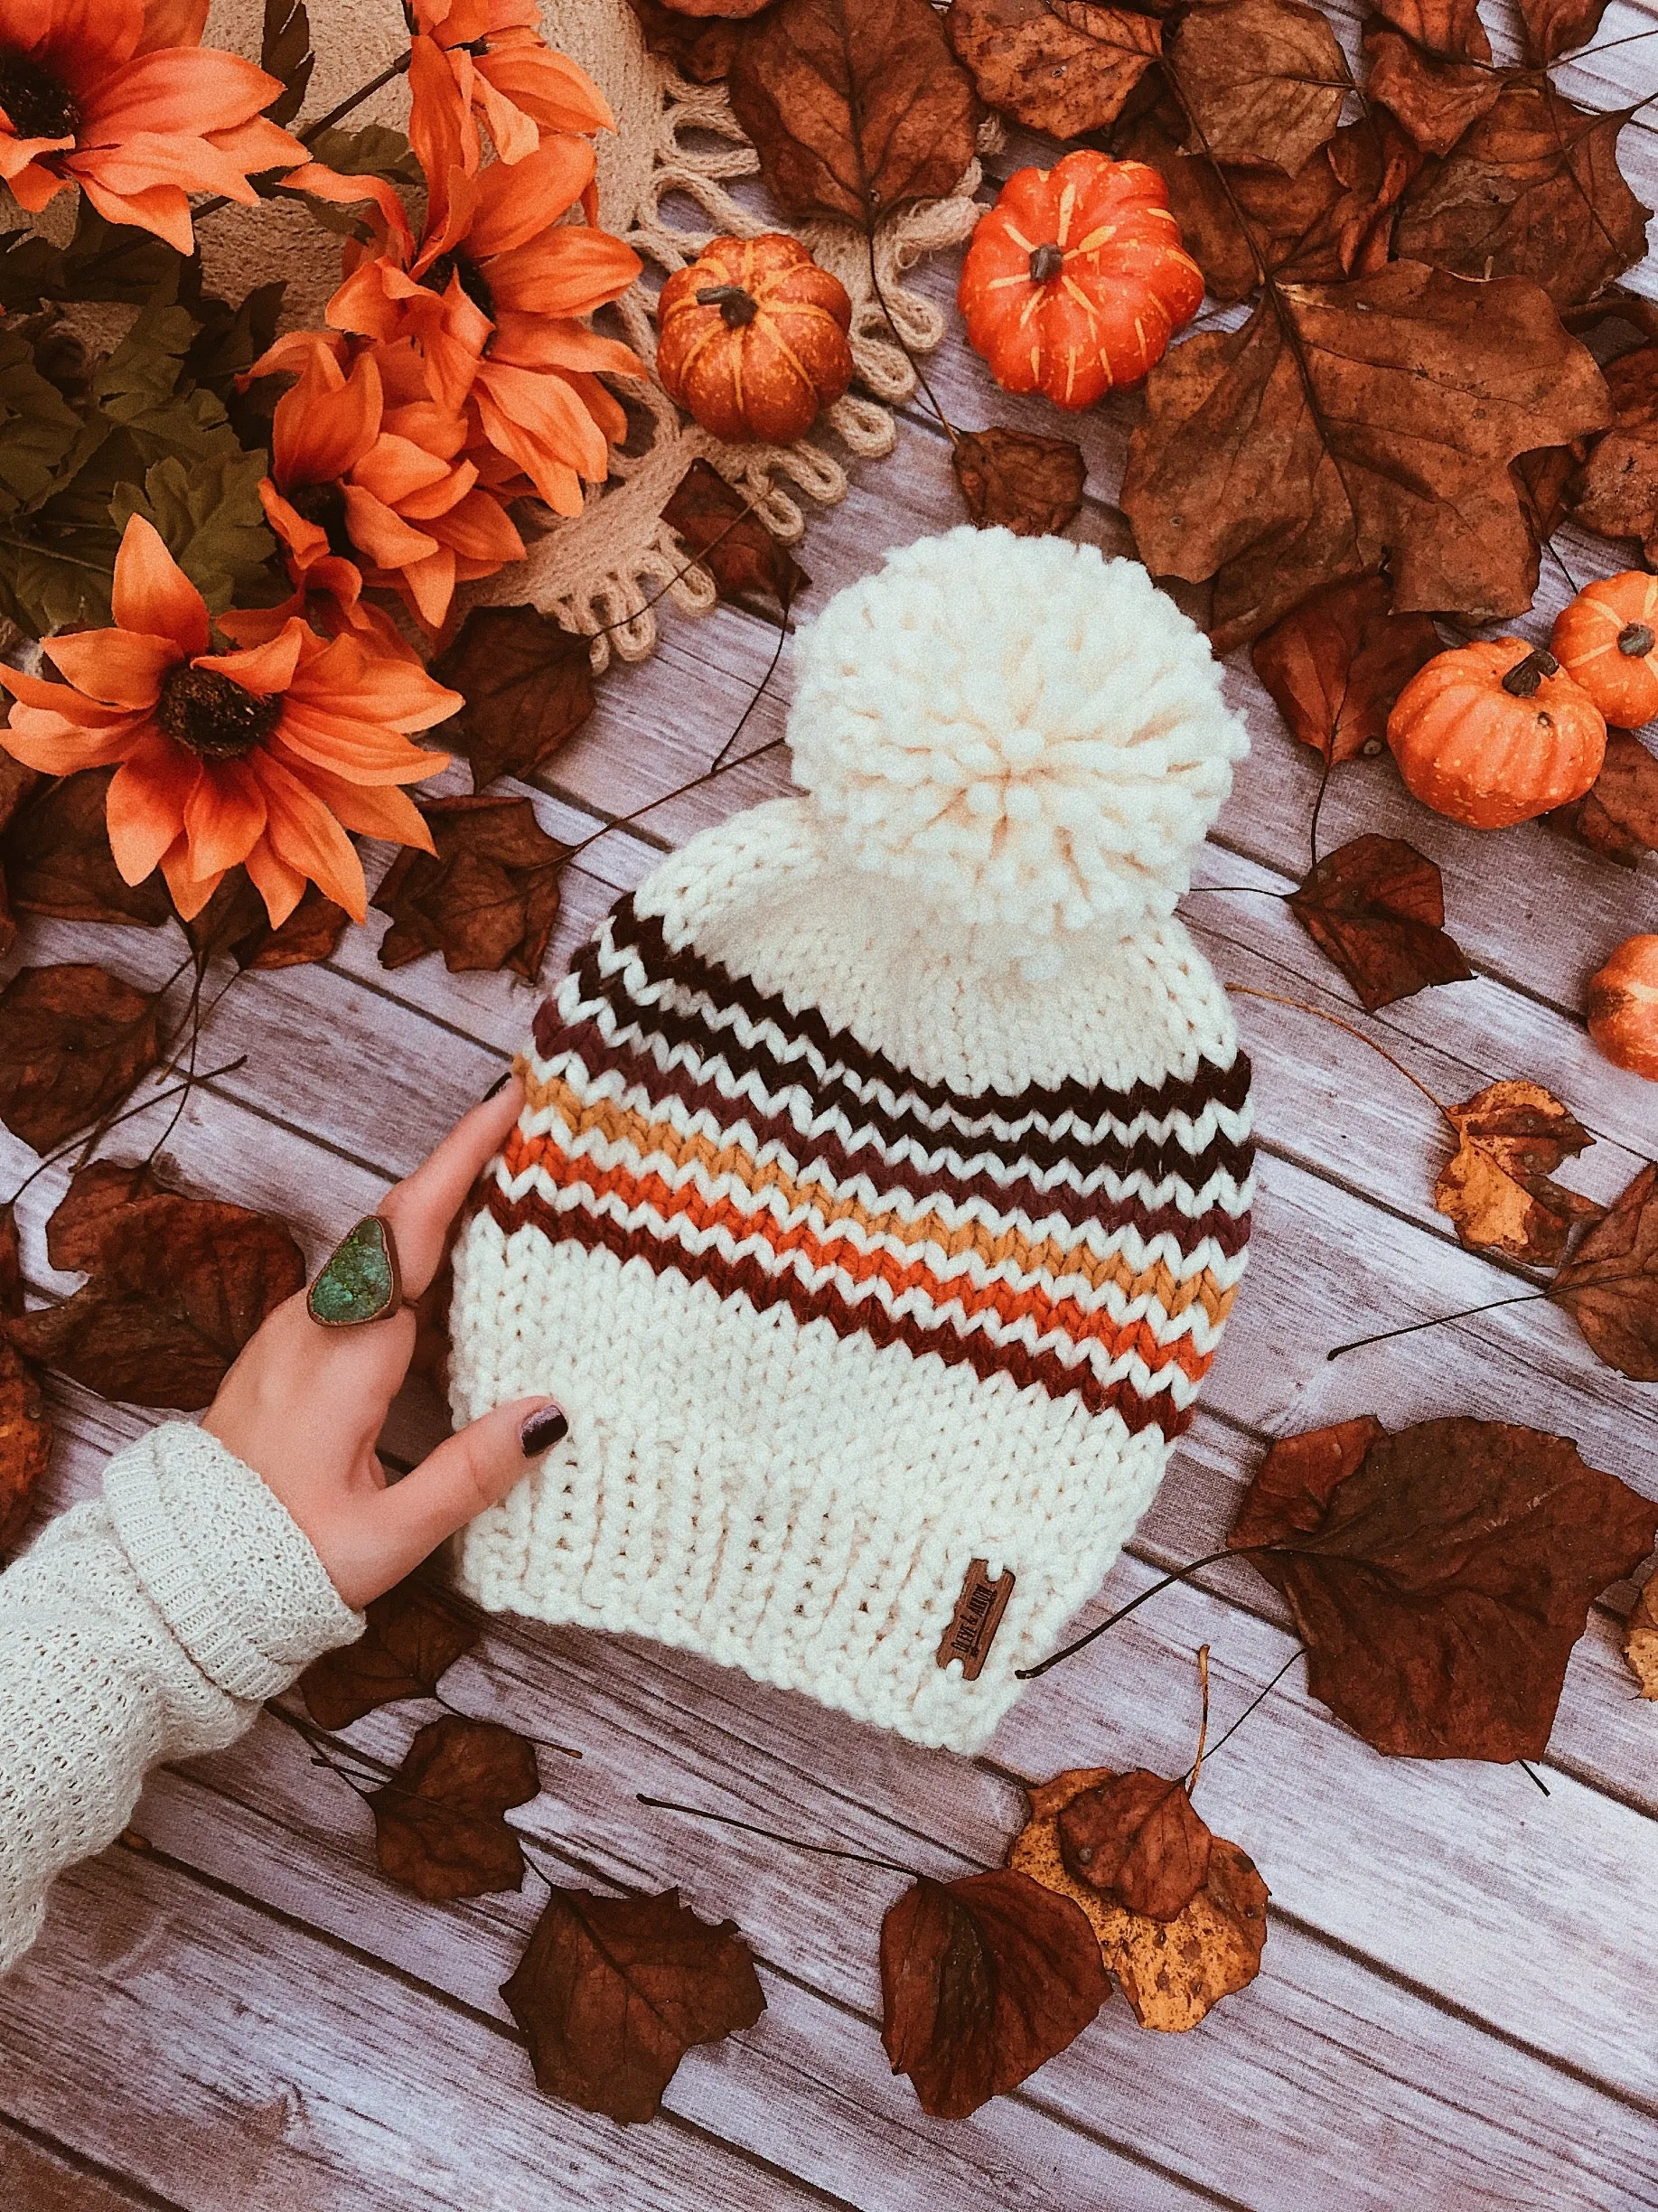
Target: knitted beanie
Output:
[(883, 1181)]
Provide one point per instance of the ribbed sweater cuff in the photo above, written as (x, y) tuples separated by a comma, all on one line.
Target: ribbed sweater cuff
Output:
[(231, 1572)]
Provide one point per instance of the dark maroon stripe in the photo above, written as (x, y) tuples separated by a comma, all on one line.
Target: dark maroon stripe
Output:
[(1230, 1231), (1229, 1086), (749, 1279)]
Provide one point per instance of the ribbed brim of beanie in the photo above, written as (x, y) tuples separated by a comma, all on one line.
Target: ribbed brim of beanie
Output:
[(876, 1277)]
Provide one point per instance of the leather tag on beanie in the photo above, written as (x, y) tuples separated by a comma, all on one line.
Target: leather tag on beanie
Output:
[(978, 1616)]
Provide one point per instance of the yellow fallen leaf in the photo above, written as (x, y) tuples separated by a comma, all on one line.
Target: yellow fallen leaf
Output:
[(1496, 1188), (1171, 1971)]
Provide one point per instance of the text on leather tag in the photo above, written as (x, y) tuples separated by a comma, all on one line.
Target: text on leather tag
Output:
[(978, 1616)]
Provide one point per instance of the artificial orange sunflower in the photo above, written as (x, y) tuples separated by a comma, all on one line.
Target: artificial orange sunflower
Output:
[(491, 297), (363, 492), (121, 98), (504, 71), (263, 757)]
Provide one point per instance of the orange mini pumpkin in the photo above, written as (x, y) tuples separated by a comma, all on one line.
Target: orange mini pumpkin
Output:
[(752, 338), (1076, 279), (1623, 1007), (1607, 640), (1495, 733)]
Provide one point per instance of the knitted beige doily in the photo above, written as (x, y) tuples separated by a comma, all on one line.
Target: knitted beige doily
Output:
[(674, 141)]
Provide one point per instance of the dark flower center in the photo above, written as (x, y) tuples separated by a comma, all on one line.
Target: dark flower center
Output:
[(38, 105), (472, 280), (324, 504), (214, 717)]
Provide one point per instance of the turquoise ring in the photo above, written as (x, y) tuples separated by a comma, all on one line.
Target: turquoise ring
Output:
[(361, 1281)]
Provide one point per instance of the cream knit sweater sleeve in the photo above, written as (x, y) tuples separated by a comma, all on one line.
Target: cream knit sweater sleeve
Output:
[(147, 1626)]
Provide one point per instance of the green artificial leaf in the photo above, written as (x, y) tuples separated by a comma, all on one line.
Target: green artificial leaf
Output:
[(209, 518), (37, 426), (142, 390), (64, 585), (102, 261), (229, 340), (372, 151), (285, 52)]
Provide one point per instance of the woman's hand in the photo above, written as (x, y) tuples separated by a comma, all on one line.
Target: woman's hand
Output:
[(304, 1405)]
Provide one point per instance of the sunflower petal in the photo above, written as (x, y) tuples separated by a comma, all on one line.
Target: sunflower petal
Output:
[(153, 595), (518, 201), (279, 886), (373, 810), (189, 892), (123, 667), (264, 667), (303, 833), (223, 817), (146, 806)]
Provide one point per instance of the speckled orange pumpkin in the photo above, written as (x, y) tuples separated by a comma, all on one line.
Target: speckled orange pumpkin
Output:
[(1623, 1007), (1076, 279), (1495, 733), (1608, 641), (752, 338)]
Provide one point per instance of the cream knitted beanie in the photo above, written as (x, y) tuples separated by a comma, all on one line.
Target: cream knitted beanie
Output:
[(884, 1178)]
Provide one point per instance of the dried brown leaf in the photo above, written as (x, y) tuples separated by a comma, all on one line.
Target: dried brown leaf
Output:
[(1440, 1577), (735, 10), (16, 784), (97, 1193), (180, 1286), (1029, 484), (1263, 82), (1619, 815), (1424, 389), (1443, 26), (1138, 1838), (438, 1824), (487, 898), (58, 861), (1617, 491), (234, 923), (1172, 1972), (1065, 71), (1533, 190), (1376, 905), (1434, 98), (613, 1991), (527, 684), (25, 1444), (1555, 27), (854, 107), (983, 1980), (722, 530), (699, 47), (1610, 1286), (1335, 664), (1497, 1188), (415, 1634), (1641, 1639), (74, 1040), (11, 1262)]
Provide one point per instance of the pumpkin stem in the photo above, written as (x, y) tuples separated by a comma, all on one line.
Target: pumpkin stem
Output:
[(1046, 262), (735, 305), (1524, 677), (1634, 640)]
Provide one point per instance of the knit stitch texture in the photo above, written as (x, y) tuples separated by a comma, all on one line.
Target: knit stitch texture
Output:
[(883, 1181)]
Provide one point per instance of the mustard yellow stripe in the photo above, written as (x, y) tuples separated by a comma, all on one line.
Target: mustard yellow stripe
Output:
[(1051, 1256)]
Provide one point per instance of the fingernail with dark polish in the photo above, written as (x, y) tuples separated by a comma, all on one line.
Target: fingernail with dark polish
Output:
[(542, 1431), (496, 1088)]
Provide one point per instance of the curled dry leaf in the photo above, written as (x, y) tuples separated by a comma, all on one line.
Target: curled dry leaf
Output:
[(74, 1040), (1029, 484), (1172, 1972), (1136, 1838), (736, 10), (1533, 189), (487, 898), (1440, 1577), (1424, 390), (179, 1287), (1065, 69), (1376, 905), (1443, 26), (58, 860), (1617, 491), (854, 107), (1262, 80), (701, 48), (983, 1980), (11, 1262), (1497, 1188), (439, 1826), (1610, 1286), (415, 1632), (613, 1991), (1335, 664), (16, 784), (721, 530), (1434, 98), (1619, 815), (234, 923), (1555, 27), (1641, 1639), (98, 1195), (527, 684)]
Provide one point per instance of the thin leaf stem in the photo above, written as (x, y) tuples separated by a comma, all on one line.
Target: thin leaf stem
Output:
[(949, 428), (1152, 1590), (144, 1106), (1299, 1006), (708, 776), (1259, 1700), (818, 1851), (1549, 1294), (1196, 1767)]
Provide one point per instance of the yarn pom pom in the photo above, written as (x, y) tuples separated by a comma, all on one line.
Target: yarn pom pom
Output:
[(1025, 733)]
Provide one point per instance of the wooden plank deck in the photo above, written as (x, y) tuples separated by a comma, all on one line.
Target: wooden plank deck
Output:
[(1455, 2005)]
